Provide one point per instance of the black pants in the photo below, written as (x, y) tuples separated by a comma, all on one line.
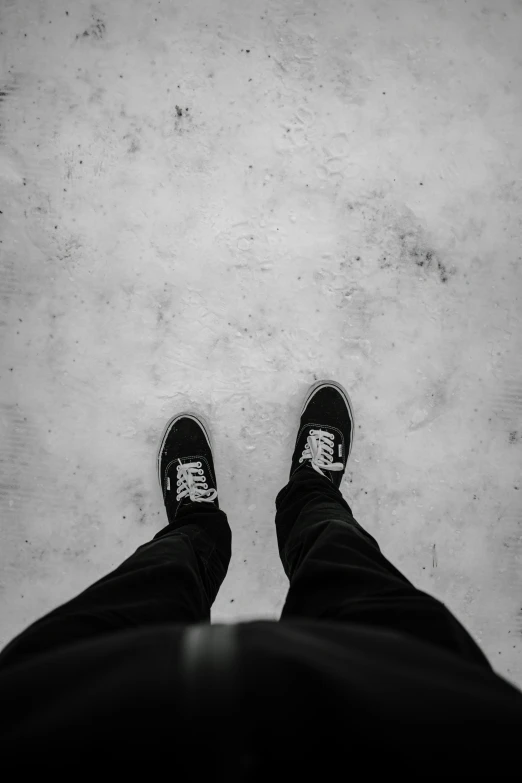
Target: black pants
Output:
[(335, 569), (363, 674)]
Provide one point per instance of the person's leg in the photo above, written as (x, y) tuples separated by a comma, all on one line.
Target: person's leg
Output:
[(172, 579), (337, 571)]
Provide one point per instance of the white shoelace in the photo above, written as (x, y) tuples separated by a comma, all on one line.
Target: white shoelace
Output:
[(319, 449), (192, 482)]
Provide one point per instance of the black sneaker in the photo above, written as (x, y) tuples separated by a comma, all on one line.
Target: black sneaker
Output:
[(325, 436)]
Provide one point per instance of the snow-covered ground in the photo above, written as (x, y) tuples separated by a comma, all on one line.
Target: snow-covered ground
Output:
[(210, 205)]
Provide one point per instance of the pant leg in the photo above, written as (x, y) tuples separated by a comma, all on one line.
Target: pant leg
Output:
[(174, 578), (337, 571)]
